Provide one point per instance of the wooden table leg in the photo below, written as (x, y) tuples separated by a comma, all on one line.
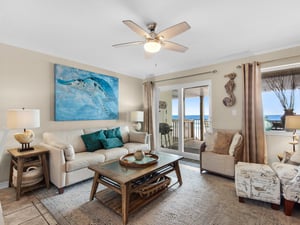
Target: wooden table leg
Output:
[(94, 186), (43, 160), (19, 177), (10, 173), (177, 169), (125, 202)]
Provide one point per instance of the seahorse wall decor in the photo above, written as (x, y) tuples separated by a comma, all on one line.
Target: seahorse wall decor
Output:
[(229, 87)]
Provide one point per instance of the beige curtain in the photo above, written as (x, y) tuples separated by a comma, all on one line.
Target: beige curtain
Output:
[(148, 112), (253, 124)]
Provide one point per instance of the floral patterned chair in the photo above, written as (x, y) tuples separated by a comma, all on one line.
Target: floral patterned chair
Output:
[(258, 182), (288, 171)]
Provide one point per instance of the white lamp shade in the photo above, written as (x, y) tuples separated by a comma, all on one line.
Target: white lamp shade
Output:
[(292, 122), (23, 118), (137, 116)]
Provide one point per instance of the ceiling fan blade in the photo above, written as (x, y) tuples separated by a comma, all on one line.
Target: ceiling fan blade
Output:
[(136, 28), (174, 30), (128, 44), (174, 46)]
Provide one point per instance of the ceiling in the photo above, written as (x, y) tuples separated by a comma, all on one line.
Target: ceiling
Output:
[(85, 30)]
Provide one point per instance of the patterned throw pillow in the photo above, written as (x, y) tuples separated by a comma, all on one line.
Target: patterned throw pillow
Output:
[(222, 142)]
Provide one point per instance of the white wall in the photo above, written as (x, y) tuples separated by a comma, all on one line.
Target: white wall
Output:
[(27, 80)]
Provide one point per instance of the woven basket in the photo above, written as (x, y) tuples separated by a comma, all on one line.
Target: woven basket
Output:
[(151, 189)]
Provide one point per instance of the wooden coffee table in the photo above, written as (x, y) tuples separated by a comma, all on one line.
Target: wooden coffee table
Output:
[(123, 182)]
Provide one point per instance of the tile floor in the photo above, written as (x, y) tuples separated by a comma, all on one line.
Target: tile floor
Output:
[(27, 211)]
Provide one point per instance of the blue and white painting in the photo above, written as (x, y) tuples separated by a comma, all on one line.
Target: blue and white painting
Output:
[(84, 95)]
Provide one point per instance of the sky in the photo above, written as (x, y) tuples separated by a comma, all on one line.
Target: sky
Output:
[(271, 105)]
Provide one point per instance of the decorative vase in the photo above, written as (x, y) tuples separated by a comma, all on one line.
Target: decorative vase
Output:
[(139, 155), (287, 112)]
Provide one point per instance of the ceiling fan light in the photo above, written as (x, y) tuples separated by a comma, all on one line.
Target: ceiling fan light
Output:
[(152, 46)]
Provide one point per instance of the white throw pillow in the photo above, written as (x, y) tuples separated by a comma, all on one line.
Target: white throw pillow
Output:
[(236, 140), (68, 150)]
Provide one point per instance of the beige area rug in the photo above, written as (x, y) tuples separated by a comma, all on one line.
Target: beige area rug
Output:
[(202, 199)]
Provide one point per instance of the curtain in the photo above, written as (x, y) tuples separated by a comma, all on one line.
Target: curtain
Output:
[(253, 124), (148, 112)]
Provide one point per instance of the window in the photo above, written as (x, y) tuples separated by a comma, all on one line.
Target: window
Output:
[(280, 95)]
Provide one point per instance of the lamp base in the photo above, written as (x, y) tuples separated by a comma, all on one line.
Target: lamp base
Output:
[(25, 147)]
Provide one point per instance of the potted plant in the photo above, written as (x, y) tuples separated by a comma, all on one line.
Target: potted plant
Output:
[(284, 87)]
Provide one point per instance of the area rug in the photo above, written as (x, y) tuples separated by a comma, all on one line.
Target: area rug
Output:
[(202, 199)]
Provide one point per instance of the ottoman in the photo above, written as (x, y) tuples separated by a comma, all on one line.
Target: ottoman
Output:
[(258, 182)]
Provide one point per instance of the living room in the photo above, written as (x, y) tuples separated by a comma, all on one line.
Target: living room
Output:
[(28, 81)]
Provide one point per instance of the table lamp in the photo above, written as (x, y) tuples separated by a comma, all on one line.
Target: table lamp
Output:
[(293, 123), (138, 117), (23, 118)]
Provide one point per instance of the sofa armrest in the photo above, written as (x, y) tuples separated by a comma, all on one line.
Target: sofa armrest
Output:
[(57, 165)]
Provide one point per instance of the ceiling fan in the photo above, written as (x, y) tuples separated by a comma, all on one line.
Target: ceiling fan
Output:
[(155, 41)]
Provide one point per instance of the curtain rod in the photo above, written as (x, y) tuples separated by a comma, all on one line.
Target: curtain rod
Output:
[(191, 75), (273, 60)]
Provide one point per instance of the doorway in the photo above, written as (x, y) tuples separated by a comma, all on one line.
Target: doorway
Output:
[(183, 117)]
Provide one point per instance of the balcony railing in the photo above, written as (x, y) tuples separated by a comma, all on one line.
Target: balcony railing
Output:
[(192, 129)]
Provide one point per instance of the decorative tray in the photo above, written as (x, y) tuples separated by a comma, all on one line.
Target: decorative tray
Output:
[(130, 161)]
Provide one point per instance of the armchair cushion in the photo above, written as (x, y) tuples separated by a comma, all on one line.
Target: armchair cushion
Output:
[(222, 142), (236, 143)]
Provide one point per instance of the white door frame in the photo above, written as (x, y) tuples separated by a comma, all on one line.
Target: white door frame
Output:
[(180, 88)]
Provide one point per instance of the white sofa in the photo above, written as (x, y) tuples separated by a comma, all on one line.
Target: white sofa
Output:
[(69, 156)]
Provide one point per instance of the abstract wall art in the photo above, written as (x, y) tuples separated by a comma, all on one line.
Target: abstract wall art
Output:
[(84, 95)]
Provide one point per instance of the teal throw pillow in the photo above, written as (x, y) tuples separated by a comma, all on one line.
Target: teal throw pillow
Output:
[(92, 141), (114, 133), (111, 143)]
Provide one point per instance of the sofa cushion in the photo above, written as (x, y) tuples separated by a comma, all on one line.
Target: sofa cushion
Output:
[(139, 137), (133, 147), (69, 152), (93, 129), (222, 142), (72, 137), (83, 160), (124, 133), (92, 141), (112, 154), (109, 143)]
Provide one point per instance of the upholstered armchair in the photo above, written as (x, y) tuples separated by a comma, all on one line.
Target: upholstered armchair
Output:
[(288, 171), (220, 151)]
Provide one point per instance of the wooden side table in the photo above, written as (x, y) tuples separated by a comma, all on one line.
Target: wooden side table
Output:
[(21, 160)]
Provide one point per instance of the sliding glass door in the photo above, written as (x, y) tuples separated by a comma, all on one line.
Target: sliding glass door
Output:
[(183, 117)]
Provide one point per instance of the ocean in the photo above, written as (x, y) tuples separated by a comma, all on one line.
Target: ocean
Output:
[(197, 117)]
